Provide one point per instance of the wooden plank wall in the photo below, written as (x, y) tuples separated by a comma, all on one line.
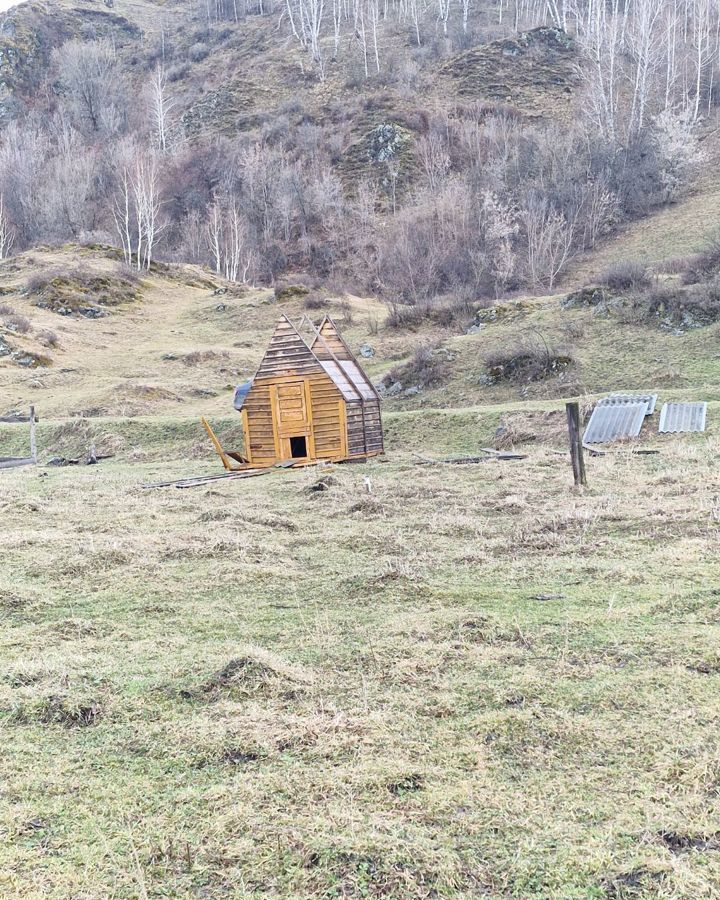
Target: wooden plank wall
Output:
[(355, 428), (260, 424), (328, 416), (373, 426)]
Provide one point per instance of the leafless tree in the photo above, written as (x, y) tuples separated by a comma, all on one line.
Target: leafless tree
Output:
[(7, 232), (89, 72), (161, 108), (136, 209), (549, 242), (228, 240)]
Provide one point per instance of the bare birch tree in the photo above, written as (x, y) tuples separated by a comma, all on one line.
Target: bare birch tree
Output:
[(7, 232), (161, 108)]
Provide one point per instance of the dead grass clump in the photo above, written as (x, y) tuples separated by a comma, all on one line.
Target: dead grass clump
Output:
[(574, 330), (322, 484), (204, 356), (406, 784), (527, 361), (519, 428), (12, 603), (216, 515), (255, 673), (242, 756), (366, 505), (149, 392), (58, 710)]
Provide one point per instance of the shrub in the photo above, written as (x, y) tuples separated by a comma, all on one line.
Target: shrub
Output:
[(178, 72), (704, 264), (347, 311), (445, 312), (48, 338), (527, 361), (315, 301), (17, 323), (285, 290), (694, 307), (428, 367), (626, 275), (402, 316), (199, 51)]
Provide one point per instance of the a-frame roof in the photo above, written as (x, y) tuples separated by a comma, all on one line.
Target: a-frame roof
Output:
[(289, 354), (329, 347)]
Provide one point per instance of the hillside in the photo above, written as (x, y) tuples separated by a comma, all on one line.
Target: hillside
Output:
[(403, 159), (84, 338)]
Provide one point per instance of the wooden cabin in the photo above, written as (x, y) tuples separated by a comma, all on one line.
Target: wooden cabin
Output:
[(310, 401)]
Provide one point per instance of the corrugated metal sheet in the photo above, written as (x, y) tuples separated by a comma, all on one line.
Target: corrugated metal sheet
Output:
[(354, 372), (682, 417), (650, 399), (355, 387), (341, 382), (614, 419)]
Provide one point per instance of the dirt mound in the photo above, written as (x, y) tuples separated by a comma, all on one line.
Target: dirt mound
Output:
[(82, 292), (254, 674)]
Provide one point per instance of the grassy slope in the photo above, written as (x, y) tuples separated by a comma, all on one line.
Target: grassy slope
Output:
[(672, 232), (114, 370)]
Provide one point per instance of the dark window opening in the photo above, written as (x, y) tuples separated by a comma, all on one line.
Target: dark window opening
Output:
[(298, 447)]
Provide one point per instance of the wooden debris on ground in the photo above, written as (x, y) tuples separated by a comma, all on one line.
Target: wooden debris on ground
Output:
[(633, 451), (91, 458), (198, 480), (468, 460)]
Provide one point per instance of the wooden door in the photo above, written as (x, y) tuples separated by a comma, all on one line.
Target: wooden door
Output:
[(292, 420)]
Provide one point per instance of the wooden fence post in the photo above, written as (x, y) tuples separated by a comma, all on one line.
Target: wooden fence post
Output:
[(576, 450), (33, 441)]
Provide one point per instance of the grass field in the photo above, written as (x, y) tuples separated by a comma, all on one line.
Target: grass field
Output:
[(470, 681), (421, 681)]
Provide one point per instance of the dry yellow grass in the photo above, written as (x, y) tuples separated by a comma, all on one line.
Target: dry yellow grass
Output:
[(472, 681)]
